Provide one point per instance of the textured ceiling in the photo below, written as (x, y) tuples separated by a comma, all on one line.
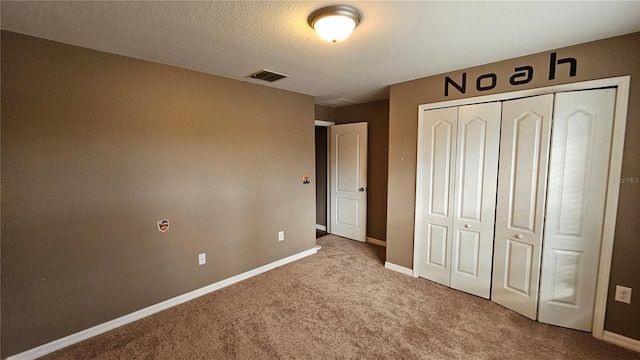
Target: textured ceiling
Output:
[(395, 41)]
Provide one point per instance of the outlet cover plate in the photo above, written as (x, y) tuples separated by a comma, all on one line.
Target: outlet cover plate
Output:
[(280, 235), (202, 259), (623, 294)]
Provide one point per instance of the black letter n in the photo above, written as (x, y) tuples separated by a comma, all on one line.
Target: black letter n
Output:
[(462, 89)]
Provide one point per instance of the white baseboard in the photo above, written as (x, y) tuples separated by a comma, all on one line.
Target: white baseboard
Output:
[(625, 342), (321, 227), (376, 241), (398, 268), (134, 316)]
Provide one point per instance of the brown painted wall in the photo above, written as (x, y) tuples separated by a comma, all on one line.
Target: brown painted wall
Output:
[(325, 113), (97, 147), (1, 350), (600, 59), (321, 175), (376, 114)]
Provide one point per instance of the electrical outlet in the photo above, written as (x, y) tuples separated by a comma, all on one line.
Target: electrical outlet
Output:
[(202, 259), (623, 294), (280, 235)]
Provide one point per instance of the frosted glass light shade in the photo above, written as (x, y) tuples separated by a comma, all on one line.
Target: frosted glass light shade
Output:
[(334, 28), (334, 23)]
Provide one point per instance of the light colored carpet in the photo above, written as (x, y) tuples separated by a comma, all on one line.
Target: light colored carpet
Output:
[(340, 304)]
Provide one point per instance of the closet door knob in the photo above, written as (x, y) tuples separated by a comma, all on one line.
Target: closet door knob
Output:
[(518, 236), (467, 226)]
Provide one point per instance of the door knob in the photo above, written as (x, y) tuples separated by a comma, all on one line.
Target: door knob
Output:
[(467, 226), (518, 236), (361, 189)]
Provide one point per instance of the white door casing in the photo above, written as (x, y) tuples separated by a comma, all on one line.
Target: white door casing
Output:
[(349, 180), (438, 134), (526, 127), (476, 180), (577, 187)]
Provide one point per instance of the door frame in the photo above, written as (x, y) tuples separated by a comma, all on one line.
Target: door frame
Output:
[(327, 124), (622, 84)]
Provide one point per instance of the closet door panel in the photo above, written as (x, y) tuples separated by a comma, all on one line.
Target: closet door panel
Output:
[(578, 174), (526, 127), (467, 255), (476, 179), (438, 169)]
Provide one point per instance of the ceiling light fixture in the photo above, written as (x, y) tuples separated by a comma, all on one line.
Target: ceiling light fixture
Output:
[(334, 23)]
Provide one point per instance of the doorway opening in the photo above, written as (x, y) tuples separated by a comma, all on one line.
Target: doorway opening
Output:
[(347, 184), (322, 177)]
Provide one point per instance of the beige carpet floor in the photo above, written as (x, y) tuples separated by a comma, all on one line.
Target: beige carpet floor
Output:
[(340, 304)]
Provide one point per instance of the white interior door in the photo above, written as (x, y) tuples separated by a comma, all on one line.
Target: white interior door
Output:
[(578, 174), (438, 170), (476, 179), (522, 179), (349, 181)]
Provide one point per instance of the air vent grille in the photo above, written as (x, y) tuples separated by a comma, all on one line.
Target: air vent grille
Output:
[(267, 75), (339, 102)]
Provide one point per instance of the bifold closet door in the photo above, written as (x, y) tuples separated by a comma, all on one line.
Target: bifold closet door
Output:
[(522, 178), (476, 179), (438, 169), (459, 175), (578, 178)]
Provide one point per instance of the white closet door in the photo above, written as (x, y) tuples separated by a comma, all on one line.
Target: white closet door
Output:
[(438, 139), (578, 173), (520, 208), (476, 180)]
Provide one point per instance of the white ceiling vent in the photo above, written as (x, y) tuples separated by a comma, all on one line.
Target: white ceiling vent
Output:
[(339, 102), (267, 75)]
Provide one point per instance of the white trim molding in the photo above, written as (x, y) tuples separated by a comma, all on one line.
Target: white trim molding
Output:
[(375, 241), (324, 123), (397, 268), (625, 342), (321, 227), (137, 315), (622, 84)]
